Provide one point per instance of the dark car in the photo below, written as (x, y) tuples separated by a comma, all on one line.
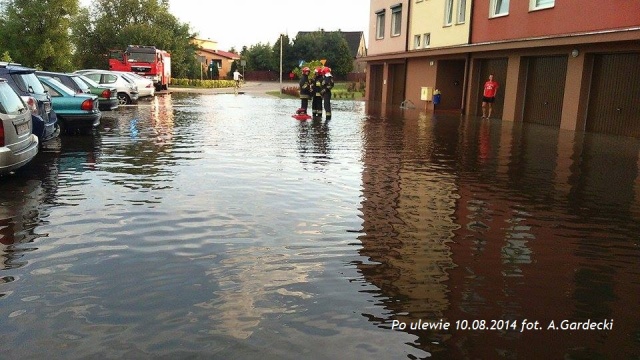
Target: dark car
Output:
[(108, 97), (24, 81)]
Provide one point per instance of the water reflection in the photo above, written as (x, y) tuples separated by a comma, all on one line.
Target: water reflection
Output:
[(474, 219), (197, 226), (146, 149), (314, 142)]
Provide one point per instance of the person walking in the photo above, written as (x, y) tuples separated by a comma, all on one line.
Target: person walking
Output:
[(327, 85), (489, 92), (236, 77), (305, 91), (316, 93)]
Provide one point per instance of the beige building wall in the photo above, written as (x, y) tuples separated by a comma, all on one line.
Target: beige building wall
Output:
[(206, 44), (428, 17), (388, 43)]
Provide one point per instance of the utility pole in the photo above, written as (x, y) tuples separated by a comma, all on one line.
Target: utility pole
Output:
[(281, 36)]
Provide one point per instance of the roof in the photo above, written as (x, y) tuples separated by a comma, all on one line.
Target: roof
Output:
[(352, 37), (225, 54)]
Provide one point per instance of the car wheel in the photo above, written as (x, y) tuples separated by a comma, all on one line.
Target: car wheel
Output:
[(124, 99)]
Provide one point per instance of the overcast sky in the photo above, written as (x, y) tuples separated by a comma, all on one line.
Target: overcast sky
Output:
[(248, 22)]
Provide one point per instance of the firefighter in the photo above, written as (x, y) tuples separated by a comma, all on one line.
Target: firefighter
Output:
[(316, 92), (305, 91), (327, 85)]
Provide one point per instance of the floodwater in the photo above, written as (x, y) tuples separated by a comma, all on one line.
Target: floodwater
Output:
[(216, 226)]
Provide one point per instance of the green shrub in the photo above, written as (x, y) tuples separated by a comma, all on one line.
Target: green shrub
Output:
[(197, 83)]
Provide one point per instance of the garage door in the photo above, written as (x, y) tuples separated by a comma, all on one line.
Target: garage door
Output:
[(375, 83), (614, 105), (544, 94), (497, 67)]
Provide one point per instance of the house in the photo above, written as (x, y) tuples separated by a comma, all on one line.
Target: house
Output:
[(357, 47), (208, 53), (555, 68)]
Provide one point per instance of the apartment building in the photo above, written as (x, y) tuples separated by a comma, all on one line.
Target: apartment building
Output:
[(571, 64)]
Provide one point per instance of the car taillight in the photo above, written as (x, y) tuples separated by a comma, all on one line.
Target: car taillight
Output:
[(32, 104), (87, 105), (106, 94), (1, 134)]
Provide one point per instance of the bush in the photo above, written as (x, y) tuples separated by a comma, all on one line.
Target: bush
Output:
[(197, 83), (291, 90)]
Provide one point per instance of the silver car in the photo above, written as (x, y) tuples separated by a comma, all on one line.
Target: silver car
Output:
[(17, 144), (145, 86), (127, 89)]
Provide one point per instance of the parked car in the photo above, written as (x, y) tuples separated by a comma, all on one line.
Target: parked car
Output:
[(69, 80), (17, 143), (24, 81), (107, 96), (76, 112), (127, 90), (145, 86)]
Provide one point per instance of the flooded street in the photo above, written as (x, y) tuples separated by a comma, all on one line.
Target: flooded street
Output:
[(217, 226)]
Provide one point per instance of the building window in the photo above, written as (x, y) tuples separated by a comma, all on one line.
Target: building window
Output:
[(426, 39), (448, 12), (462, 11), (416, 41), (499, 7), (380, 24), (396, 20), (541, 4)]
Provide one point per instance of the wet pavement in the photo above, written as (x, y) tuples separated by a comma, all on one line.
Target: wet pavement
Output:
[(209, 225)]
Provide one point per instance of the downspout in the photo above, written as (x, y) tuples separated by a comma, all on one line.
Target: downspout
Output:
[(406, 49), (467, 65)]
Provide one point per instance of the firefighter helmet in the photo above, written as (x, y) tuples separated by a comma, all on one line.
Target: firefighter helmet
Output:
[(327, 70)]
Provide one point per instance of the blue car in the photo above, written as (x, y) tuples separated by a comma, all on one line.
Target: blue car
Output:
[(77, 113), (24, 81)]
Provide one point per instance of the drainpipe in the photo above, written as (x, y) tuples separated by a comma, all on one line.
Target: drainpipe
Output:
[(406, 41), (406, 49), (467, 65)]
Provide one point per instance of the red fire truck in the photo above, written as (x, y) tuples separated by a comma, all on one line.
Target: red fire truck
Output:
[(148, 61)]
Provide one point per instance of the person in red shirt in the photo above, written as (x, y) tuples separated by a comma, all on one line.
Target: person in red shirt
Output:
[(489, 96)]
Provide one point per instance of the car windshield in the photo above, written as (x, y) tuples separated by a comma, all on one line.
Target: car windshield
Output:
[(138, 76), (81, 84), (58, 87), (127, 79), (10, 102), (90, 82), (142, 57), (28, 82)]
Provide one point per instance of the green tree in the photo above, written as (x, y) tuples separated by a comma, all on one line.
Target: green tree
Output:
[(36, 32), (6, 57), (214, 72), (330, 46), (336, 51), (259, 57), (289, 58), (89, 53)]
